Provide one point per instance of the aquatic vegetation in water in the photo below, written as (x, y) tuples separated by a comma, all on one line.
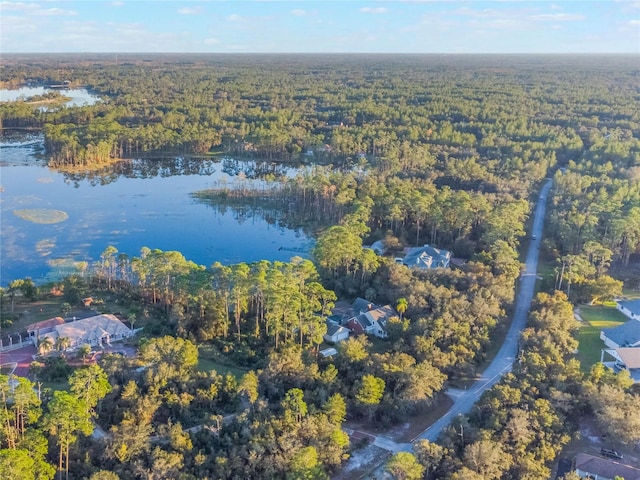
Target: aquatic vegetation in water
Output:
[(41, 215), (45, 247)]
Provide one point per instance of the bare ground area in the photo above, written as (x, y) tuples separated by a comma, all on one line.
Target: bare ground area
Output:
[(363, 462)]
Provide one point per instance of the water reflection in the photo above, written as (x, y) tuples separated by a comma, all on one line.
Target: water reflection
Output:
[(139, 203), (233, 170)]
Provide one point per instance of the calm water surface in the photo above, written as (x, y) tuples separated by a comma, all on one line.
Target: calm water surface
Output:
[(136, 205), (78, 97)]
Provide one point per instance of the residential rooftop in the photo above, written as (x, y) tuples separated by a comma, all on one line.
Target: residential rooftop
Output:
[(626, 334), (605, 468), (632, 305)]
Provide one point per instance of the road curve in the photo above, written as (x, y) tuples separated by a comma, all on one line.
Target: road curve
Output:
[(503, 361)]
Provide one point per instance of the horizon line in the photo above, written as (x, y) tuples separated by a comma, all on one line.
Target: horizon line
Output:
[(317, 53)]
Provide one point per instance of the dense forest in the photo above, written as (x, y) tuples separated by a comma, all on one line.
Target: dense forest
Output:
[(449, 151)]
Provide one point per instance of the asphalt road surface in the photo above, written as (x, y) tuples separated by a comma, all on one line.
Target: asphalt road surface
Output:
[(506, 356)]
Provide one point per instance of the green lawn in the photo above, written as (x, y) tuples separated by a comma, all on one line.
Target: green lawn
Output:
[(55, 385), (206, 365), (596, 318), (209, 359)]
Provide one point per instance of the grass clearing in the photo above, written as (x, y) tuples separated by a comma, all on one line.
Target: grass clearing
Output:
[(210, 359), (55, 386), (604, 315), (207, 365), (596, 318)]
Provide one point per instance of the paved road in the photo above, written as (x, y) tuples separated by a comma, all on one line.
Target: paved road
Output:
[(504, 359)]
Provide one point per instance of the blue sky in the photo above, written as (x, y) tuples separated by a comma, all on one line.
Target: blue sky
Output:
[(411, 26)]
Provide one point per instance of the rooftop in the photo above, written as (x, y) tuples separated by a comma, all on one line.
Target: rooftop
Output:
[(364, 321), (629, 356), (605, 468), (50, 323), (427, 257), (632, 305), (626, 334), (328, 352), (362, 305), (381, 314), (332, 328)]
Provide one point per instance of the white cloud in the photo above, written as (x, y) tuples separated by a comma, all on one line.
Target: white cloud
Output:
[(189, 11), (629, 3), (18, 6), (17, 26), (634, 23), (558, 17), (374, 10), (298, 12), (211, 41), (485, 13), (234, 17), (117, 4), (55, 12), (34, 9)]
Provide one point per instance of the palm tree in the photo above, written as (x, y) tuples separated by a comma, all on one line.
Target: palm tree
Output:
[(401, 306), (63, 343), (84, 352), (45, 345)]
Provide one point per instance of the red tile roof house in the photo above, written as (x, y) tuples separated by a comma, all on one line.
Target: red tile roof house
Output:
[(35, 330)]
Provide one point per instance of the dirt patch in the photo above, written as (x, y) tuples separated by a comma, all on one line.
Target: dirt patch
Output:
[(363, 462)]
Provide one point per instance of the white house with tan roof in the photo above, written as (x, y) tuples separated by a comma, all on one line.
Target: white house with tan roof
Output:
[(95, 331), (624, 359)]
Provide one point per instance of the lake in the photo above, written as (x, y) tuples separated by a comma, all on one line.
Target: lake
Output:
[(78, 97), (134, 204)]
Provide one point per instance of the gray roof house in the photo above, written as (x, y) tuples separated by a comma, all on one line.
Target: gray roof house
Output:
[(367, 324), (362, 305), (596, 468), (625, 335), (427, 257), (370, 317), (378, 246), (631, 308), (335, 333)]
